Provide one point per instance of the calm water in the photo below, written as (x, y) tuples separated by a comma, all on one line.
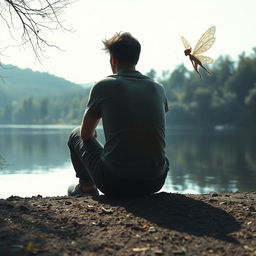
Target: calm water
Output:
[(37, 161)]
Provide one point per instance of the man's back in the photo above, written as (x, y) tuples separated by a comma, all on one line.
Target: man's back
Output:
[(132, 108)]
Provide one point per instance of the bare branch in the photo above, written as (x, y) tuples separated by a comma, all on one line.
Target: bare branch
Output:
[(33, 17)]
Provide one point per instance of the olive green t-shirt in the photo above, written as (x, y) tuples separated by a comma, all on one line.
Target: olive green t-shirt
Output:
[(132, 107)]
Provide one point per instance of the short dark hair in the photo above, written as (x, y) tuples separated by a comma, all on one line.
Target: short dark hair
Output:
[(124, 47)]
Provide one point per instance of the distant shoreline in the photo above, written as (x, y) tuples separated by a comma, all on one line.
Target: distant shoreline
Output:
[(219, 128), (41, 126)]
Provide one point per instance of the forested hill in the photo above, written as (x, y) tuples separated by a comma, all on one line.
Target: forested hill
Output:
[(29, 97), (16, 83), (225, 98)]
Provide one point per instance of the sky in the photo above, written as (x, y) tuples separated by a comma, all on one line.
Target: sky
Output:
[(157, 24)]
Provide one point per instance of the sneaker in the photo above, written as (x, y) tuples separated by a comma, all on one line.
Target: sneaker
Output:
[(76, 190)]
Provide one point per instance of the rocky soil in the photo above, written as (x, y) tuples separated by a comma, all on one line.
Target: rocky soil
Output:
[(160, 224)]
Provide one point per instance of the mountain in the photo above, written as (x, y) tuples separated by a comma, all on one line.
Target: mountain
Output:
[(16, 83), (87, 85)]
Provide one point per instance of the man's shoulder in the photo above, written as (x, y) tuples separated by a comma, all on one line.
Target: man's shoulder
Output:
[(103, 84), (108, 81), (112, 81), (156, 84)]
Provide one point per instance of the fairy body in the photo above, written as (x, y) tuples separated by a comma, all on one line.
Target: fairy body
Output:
[(204, 43)]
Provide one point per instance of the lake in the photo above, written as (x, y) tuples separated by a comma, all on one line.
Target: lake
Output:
[(35, 160)]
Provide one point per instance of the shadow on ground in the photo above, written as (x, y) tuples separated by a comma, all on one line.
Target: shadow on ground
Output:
[(181, 213), (73, 226)]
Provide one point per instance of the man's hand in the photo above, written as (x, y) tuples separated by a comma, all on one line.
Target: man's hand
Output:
[(88, 127)]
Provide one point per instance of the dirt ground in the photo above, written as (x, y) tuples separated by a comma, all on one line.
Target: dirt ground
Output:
[(160, 224)]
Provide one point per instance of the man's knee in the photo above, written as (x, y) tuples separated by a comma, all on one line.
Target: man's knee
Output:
[(74, 135)]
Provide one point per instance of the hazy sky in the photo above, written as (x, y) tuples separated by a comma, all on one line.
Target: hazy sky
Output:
[(157, 24)]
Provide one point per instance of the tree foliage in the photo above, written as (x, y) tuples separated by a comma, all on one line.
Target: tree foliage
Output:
[(228, 97)]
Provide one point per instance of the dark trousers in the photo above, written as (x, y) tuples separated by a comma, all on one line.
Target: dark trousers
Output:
[(86, 160)]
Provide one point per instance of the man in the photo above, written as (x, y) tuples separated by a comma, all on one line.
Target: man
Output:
[(132, 108)]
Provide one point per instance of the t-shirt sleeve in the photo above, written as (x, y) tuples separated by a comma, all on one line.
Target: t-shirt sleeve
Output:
[(93, 108)]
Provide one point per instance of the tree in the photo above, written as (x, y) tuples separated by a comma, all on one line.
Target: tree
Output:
[(44, 104), (179, 114), (7, 116), (225, 109), (26, 112), (224, 68), (31, 18), (151, 74), (243, 79), (250, 102), (177, 78), (201, 105)]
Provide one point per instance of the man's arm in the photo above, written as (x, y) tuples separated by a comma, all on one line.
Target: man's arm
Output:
[(88, 127)]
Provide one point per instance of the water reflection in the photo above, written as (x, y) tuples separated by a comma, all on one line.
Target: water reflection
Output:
[(212, 161), (29, 149), (200, 162)]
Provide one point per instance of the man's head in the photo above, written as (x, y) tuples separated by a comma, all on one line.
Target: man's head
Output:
[(124, 50)]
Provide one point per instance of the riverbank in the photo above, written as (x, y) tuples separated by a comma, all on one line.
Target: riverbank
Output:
[(161, 224)]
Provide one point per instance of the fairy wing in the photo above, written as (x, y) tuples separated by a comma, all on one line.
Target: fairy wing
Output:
[(185, 43), (204, 59), (205, 42)]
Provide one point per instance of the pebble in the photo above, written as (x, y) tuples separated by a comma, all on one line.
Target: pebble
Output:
[(152, 229)]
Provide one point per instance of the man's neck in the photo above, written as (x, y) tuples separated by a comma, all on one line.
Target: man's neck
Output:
[(124, 67)]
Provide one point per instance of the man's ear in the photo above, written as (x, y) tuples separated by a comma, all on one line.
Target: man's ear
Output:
[(113, 62)]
